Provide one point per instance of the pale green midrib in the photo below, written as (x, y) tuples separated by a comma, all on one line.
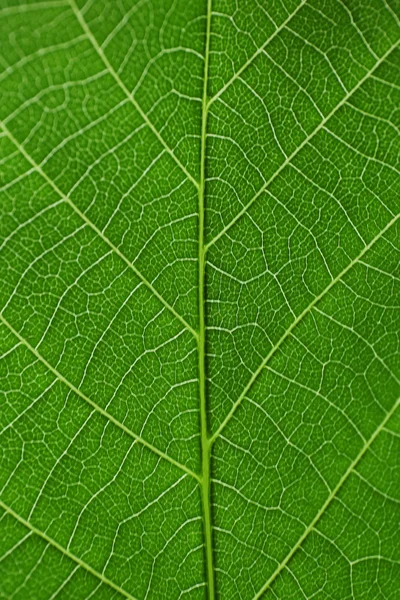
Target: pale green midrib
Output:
[(123, 87), (256, 53), (327, 502), (82, 215), (64, 551), (205, 441), (96, 406), (306, 140), (294, 324)]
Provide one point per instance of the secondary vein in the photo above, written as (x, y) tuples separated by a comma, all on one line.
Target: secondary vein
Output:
[(294, 324), (306, 140), (121, 84), (327, 502), (64, 551), (82, 215), (256, 53), (98, 408)]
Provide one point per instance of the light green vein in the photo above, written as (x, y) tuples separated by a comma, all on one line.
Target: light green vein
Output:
[(24, 8), (98, 408), (295, 323), (205, 441), (82, 215), (123, 87), (64, 551), (256, 53), (327, 502), (306, 140)]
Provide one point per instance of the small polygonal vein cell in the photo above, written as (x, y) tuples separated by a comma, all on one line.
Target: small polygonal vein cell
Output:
[(199, 310)]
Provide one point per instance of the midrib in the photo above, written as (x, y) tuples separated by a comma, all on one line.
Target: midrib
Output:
[(205, 439)]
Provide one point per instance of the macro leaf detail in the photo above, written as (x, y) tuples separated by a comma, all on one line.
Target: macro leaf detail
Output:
[(199, 250)]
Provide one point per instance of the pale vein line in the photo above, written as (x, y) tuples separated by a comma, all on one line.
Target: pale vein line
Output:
[(123, 87), (301, 146), (15, 546), (354, 332), (256, 53), (82, 215), (98, 408), (295, 323), (65, 582), (392, 12), (24, 8), (64, 551), (327, 502)]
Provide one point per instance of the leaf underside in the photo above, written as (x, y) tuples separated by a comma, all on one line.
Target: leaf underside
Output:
[(199, 301)]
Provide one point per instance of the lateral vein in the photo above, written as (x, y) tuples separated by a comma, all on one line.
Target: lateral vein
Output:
[(328, 501), (256, 53), (82, 215), (294, 324), (306, 140), (64, 551), (98, 408), (123, 87)]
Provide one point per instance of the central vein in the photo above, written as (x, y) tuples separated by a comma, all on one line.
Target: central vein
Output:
[(205, 440)]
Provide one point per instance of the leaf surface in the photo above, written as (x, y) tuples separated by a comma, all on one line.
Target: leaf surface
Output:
[(199, 308)]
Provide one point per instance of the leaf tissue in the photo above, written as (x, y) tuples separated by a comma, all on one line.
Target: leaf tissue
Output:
[(199, 307)]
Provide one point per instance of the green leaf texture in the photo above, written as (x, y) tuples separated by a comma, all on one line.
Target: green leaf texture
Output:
[(200, 299)]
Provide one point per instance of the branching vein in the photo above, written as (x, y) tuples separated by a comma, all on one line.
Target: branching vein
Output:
[(117, 251), (98, 408)]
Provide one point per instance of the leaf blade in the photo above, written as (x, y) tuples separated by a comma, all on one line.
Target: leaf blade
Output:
[(198, 329)]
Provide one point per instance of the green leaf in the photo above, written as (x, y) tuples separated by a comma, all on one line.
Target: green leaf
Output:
[(200, 299)]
